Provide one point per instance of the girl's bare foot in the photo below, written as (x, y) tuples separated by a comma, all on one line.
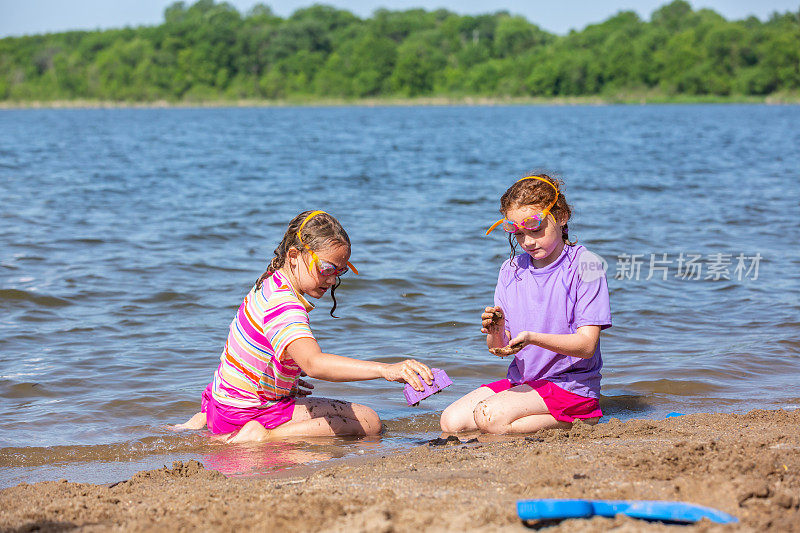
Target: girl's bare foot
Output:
[(198, 421)]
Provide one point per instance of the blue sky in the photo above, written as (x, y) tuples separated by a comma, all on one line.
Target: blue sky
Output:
[(24, 17)]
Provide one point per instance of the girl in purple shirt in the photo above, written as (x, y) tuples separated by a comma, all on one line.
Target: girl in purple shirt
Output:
[(550, 304)]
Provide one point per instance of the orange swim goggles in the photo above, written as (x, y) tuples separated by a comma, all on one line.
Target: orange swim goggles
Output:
[(531, 223), (325, 268)]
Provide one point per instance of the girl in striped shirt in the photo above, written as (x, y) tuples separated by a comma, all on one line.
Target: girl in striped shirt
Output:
[(257, 392)]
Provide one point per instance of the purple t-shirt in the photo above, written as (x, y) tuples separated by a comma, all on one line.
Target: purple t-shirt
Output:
[(558, 298)]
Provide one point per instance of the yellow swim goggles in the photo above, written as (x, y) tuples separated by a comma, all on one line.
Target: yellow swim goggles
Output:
[(325, 268), (531, 223)]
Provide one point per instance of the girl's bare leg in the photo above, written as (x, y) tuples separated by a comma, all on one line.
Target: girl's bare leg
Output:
[(316, 417), (459, 415), (517, 410)]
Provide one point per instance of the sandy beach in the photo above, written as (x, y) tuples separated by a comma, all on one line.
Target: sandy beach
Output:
[(422, 101), (746, 465)]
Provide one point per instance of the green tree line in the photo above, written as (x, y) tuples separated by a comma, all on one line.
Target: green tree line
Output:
[(211, 51)]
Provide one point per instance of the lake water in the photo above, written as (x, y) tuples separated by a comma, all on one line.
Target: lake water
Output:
[(130, 236)]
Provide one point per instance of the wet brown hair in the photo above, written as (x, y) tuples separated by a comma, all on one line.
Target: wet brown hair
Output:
[(539, 194), (320, 232)]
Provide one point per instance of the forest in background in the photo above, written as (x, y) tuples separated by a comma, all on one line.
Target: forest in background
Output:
[(208, 51)]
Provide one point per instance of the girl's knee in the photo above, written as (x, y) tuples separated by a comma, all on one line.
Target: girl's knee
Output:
[(452, 420), (370, 421), (250, 432), (367, 418), (488, 418)]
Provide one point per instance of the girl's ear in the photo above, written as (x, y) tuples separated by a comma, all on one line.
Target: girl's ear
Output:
[(562, 219), (292, 254)]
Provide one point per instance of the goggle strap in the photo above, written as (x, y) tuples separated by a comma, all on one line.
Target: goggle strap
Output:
[(313, 260), (539, 178), (305, 221), (494, 226)]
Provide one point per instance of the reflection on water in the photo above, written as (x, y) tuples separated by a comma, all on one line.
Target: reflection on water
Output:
[(238, 460), (129, 237)]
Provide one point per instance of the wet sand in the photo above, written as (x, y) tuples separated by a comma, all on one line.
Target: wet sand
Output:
[(746, 465)]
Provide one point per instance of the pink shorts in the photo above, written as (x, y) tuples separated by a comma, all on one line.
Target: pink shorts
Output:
[(223, 418), (563, 405)]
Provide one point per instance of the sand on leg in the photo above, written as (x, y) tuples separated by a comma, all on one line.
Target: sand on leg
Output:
[(327, 417), (316, 417), (458, 416)]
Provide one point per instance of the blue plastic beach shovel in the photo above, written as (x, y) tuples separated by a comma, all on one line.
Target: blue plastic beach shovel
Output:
[(556, 509)]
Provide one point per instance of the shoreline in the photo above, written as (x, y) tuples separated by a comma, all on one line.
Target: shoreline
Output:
[(476, 101), (746, 465)]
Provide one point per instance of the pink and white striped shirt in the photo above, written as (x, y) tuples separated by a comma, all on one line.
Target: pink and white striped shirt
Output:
[(254, 370)]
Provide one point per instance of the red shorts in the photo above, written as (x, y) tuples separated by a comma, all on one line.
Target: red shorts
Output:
[(563, 405), (222, 418)]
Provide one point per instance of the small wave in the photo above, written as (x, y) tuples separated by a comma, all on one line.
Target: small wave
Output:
[(11, 389), (163, 296), (648, 187), (38, 315), (466, 201), (411, 294), (793, 345), (87, 240), (624, 405), (651, 312), (448, 325), (90, 330), (677, 387), (206, 237), (723, 285), (215, 268), (125, 451), (421, 423), (13, 296)]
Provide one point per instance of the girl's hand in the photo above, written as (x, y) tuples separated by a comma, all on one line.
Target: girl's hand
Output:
[(408, 371), (306, 390), (492, 321), (516, 344)]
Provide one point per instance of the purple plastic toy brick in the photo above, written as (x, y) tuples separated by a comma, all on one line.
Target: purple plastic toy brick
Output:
[(440, 381)]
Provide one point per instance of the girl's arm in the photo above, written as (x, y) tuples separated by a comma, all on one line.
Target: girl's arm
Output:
[(330, 367), (581, 344)]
